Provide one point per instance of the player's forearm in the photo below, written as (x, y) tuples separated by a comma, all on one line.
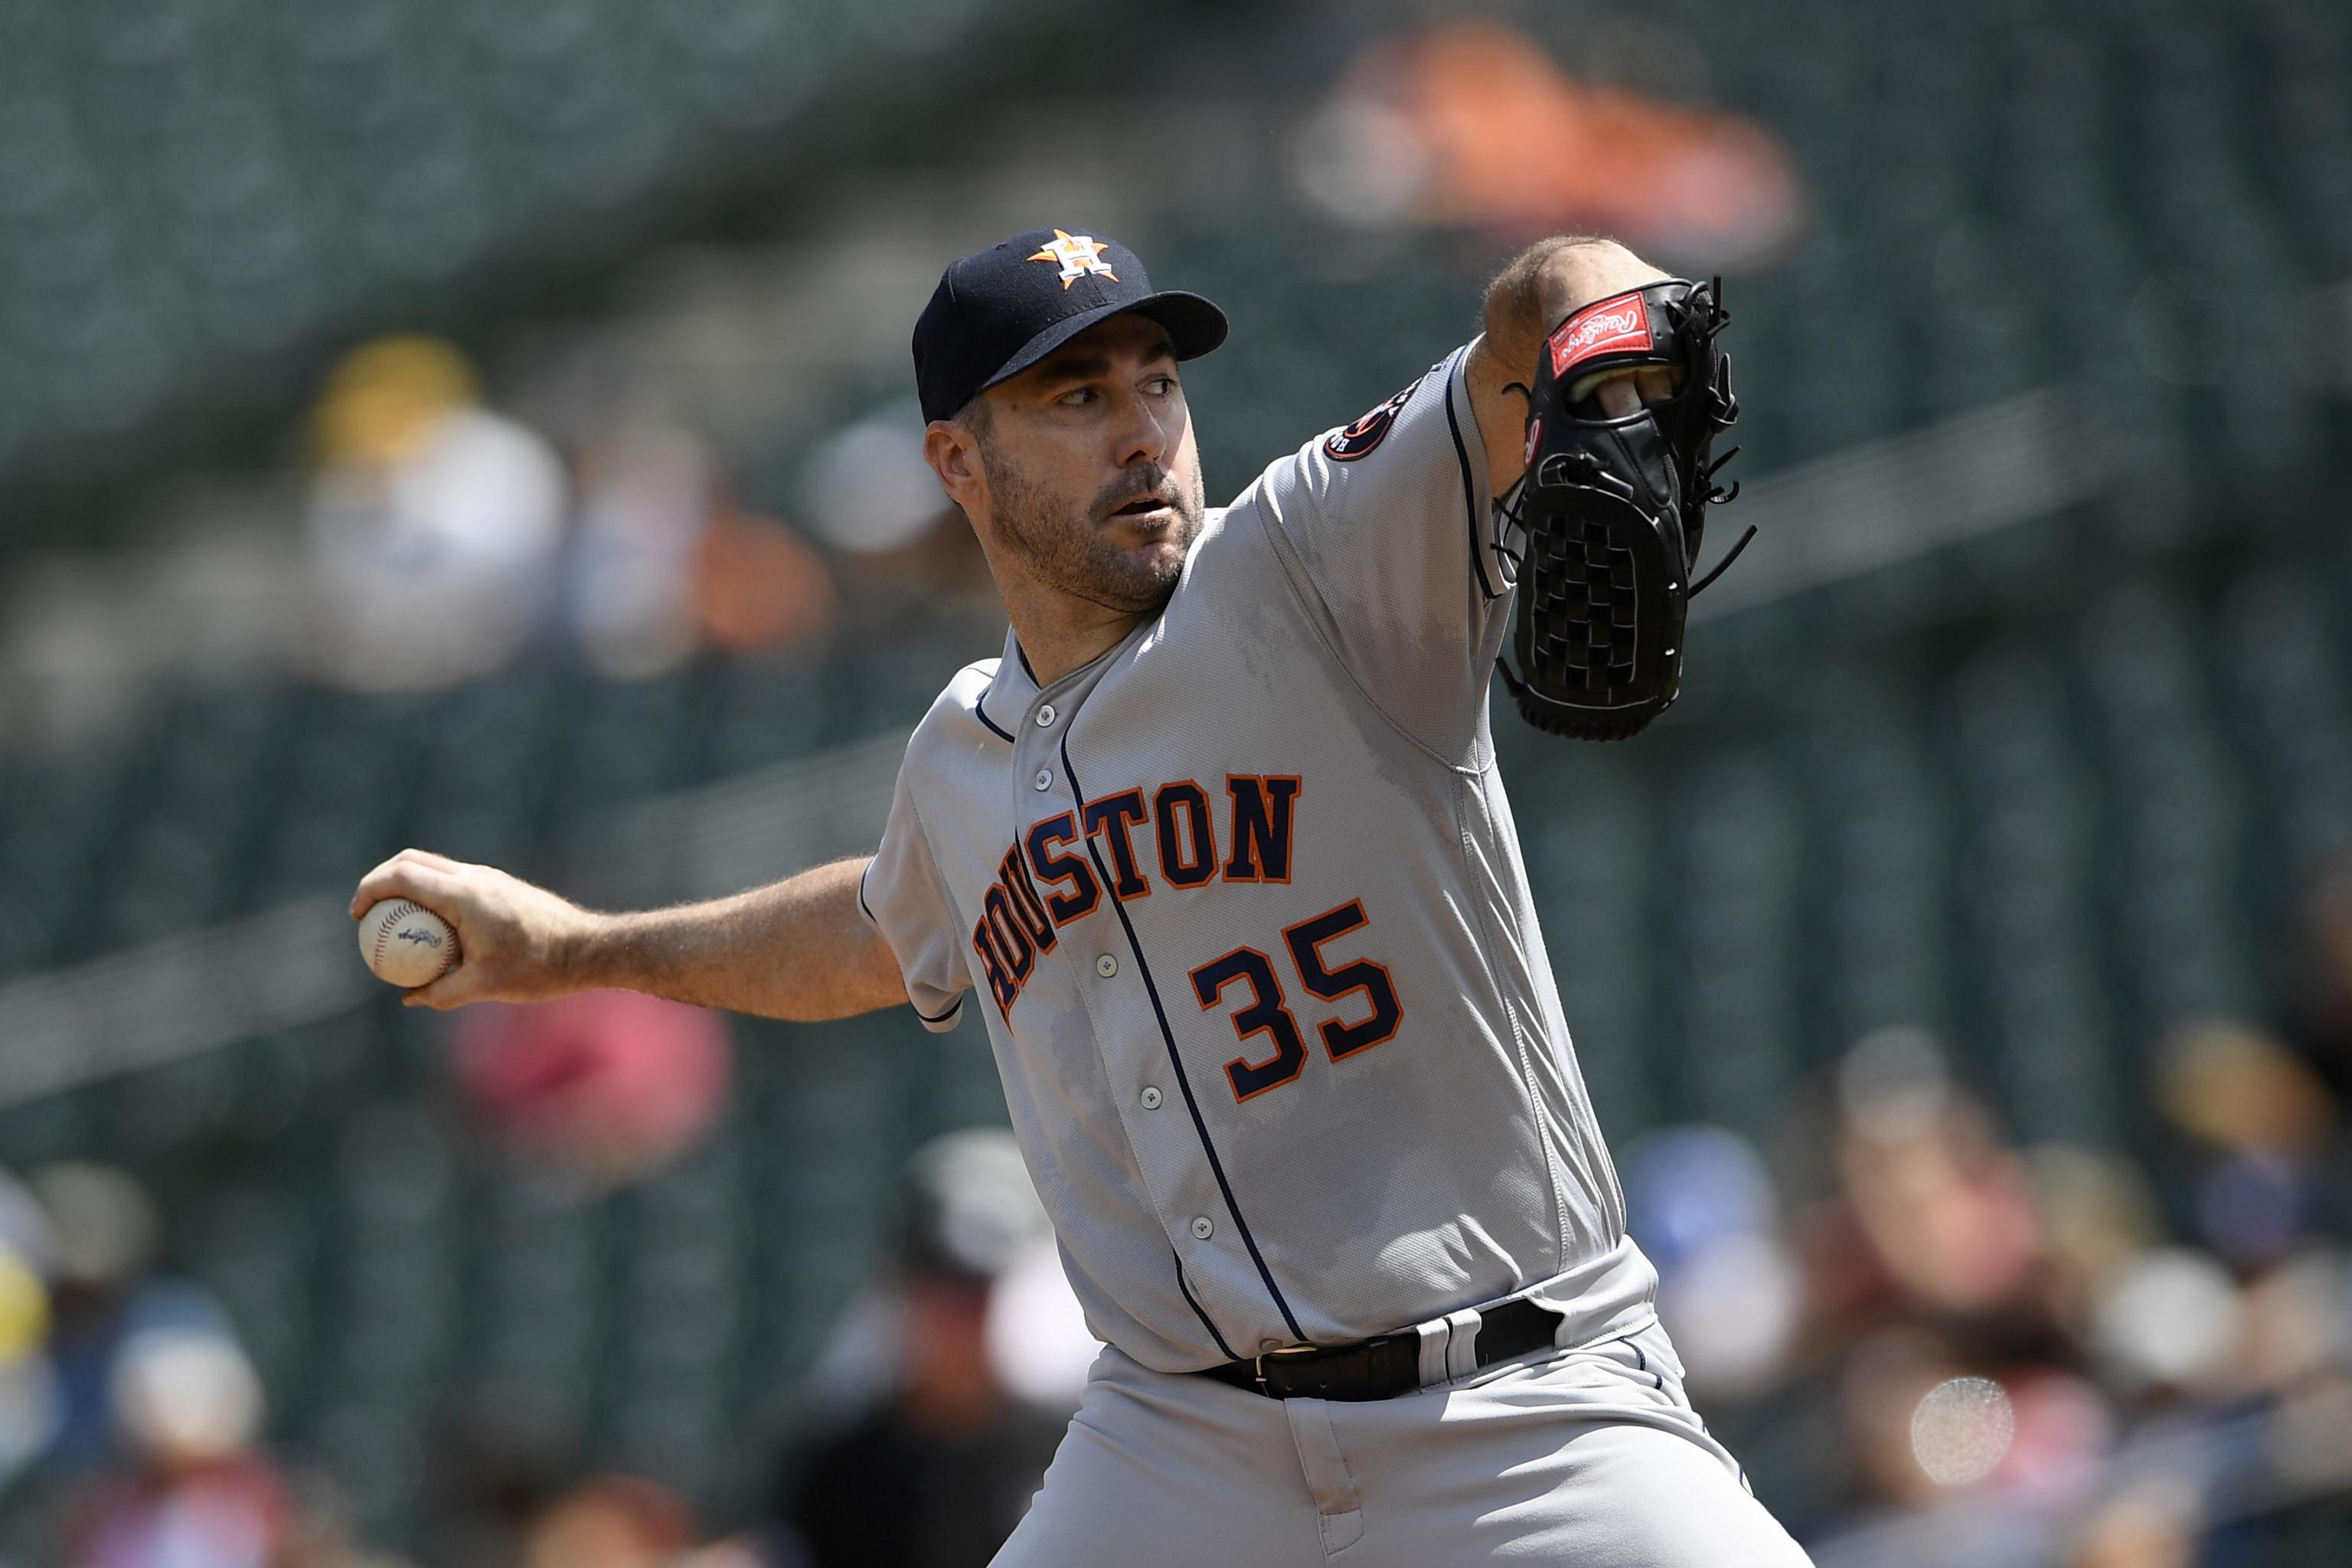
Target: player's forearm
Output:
[(797, 949)]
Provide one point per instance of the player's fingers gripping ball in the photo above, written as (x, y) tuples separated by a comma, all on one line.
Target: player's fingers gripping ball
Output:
[(406, 944)]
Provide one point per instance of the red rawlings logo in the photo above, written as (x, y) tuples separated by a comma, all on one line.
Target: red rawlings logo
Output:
[(1609, 327), (1535, 439)]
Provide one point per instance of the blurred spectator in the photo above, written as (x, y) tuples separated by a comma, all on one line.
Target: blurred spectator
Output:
[(870, 496), (604, 1085), (192, 1488), (1038, 1341), (27, 1231), (30, 1409), (1473, 123), (644, 497), (2018, 1323), (495, 1464), (759, 586), (434, 523), (610, 1521), (2098, 1214), (1704, 1208), (106, 1295), (1933, 1213), (1885, 1378), (936, 1472), (2321, 981), (664, 559), (869, 490), (2144, 1527), (320, 1533), (2260, 1122)]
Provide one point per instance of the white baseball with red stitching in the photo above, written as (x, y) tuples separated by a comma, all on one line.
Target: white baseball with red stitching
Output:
[(406, 944)]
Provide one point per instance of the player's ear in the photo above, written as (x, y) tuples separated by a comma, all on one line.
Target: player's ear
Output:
[(952, 449)]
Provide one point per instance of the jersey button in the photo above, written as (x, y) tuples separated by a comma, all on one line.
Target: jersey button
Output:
[(1150, 1097), (1045, 716), (1203, 1227), (1105, 966), (1044, 779)]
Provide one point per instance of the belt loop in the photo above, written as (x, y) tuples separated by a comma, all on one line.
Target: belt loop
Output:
[(1461, 1346), (1434, 1335)]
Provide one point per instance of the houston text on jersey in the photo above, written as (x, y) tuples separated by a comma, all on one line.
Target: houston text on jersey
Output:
[(1191, 840)]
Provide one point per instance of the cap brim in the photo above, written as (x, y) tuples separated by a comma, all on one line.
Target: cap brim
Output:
[(1195, 326)]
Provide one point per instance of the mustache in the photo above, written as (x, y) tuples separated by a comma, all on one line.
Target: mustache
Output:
[(1160, 483)]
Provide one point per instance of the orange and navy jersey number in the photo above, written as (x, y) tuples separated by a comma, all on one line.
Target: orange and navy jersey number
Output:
[(1267, 1011)]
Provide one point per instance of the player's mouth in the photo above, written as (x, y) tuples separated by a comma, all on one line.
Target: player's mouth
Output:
[(1148, 508)]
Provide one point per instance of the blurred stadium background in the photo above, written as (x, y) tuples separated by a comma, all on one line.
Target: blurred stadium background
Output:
[(489, 428)]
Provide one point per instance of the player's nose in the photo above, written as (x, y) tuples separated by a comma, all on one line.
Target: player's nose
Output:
[(1147, 433)]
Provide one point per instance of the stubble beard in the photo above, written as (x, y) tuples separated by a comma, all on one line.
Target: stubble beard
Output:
[(1069, 548)]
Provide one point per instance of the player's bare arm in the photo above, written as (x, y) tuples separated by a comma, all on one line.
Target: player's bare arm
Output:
[(1543, 285), (796, 949)]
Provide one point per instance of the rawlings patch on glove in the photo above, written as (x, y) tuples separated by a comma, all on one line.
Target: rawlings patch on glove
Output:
[(1612, 510)]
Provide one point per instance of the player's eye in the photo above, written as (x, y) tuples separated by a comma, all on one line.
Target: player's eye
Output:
[(1162, 385), (1076, 397)]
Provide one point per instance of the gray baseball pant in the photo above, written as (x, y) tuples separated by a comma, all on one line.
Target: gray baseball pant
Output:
[(1590, 1456)]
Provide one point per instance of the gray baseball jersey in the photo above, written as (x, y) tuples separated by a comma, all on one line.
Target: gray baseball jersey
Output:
[(1243, 907)]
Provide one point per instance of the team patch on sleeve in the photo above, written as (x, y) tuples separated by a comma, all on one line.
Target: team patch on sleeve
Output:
[(1357, 440)]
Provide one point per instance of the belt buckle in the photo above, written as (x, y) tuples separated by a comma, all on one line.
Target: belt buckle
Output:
[(1258, 1362)]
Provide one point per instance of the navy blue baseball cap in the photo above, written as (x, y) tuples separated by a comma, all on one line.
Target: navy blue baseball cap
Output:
[(1000, 310)]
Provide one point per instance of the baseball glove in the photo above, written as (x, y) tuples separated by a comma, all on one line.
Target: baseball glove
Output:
[(1611, 511)]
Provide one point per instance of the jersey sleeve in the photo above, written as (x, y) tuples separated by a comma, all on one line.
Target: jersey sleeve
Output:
[(1386, 528), (904, 898)]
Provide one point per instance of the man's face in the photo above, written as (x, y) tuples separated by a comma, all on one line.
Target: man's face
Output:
[(1092, 479)]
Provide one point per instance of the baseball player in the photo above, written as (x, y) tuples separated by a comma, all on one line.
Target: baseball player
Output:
[(1218, 852)]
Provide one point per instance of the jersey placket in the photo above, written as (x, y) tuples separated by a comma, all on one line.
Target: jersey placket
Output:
[(1103, 974), (1135, 1035)]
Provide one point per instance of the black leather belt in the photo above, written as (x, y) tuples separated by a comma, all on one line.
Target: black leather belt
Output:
[(1387, 1364)]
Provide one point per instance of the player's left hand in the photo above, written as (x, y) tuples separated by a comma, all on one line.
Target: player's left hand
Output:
[(1571, 277), (1575, 278)]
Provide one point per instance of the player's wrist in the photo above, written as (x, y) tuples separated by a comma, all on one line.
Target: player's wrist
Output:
[(583, 951)]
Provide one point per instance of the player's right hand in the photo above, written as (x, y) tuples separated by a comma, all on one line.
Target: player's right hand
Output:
[(517, 943)]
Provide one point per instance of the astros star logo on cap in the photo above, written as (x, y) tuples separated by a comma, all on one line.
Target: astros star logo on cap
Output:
[(1078, 253)]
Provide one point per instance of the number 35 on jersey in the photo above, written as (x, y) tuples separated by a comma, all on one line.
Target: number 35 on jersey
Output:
[(1056, 876)]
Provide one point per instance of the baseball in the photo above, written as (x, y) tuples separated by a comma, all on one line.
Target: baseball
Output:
[(406, 944)]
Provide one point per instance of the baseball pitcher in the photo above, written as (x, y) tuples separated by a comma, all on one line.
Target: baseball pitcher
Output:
[(1217, 851)]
